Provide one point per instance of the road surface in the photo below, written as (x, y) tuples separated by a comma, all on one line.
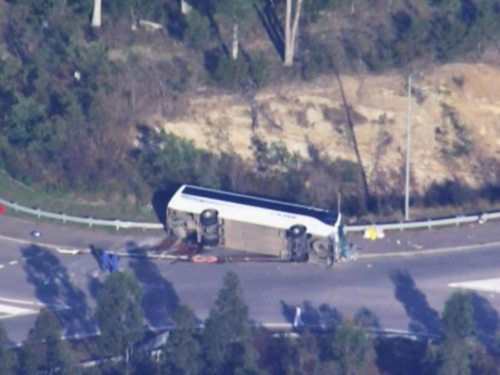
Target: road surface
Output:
[(403, 293)]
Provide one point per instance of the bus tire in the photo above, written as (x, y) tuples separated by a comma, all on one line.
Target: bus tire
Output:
[(297, 231), (301, 258), (209, 217), (210, 240)]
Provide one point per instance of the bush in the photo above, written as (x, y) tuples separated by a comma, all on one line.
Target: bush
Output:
[(259, 70), (229, 73), (197, 34)]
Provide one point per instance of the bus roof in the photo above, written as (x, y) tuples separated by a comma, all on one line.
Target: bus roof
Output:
[(325, 216)]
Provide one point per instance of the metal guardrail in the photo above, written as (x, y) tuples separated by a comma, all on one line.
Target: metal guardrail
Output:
[(118, 224), (426, 223)]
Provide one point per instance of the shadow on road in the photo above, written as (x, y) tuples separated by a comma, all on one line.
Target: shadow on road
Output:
[(323, 315), (54, 288), (423, 318), (364, 317), (486, 318), (160, 299)]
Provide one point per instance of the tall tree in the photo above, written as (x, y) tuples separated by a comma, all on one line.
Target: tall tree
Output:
[(454, 353), (352, 349), (226, 341), (7, 358), (119, 314), (458, 316), (293, 9), (301, 357), (45, 349), (235, 11), (454, 357), (182, 351)]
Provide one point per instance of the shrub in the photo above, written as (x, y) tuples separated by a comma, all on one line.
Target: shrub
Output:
[(197, 34), (229, 73)]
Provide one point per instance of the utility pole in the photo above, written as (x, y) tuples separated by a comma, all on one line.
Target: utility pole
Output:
[(408, 149)]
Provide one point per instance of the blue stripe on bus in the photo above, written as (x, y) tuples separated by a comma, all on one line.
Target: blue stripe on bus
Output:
[(327, 217)]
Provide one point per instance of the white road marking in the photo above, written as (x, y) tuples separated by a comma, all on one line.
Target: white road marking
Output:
[(12, 262), (487, 285), (21, 302), (1, 266), (12, 311)]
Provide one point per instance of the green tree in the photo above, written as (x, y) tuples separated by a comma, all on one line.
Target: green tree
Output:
[(45, 349), (352, 349), (119, 314), (182, 351), (301, 357), (137, 9), (457, 318), (7, 358), (22, 120), (454, 357), (197, 34), (226, 340)]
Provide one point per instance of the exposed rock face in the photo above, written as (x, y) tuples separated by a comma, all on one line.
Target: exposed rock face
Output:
[(455, 124)]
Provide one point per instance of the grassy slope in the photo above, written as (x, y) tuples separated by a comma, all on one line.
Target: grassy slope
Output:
[(30, 197)]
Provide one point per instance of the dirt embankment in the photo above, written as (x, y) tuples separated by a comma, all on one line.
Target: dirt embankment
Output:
[(455, 124)]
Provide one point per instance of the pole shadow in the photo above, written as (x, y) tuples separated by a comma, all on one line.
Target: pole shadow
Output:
[(160, 299), (423, 318), (53, 287)]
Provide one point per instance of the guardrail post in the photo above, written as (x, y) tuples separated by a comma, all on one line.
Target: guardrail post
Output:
[(457, 223), (400, 226), (16, 206), (90, 222), (429, 223), (38, 212), (117, 224), (64, 218)]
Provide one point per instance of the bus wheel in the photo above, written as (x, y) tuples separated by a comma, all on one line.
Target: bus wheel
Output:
[(297, 231), (209, 217), (209, 240)]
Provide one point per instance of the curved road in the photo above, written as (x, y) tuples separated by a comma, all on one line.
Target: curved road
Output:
[(404, 293)]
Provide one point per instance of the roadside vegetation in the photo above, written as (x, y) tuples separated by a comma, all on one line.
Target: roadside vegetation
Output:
[(228, 344), (73, 98)]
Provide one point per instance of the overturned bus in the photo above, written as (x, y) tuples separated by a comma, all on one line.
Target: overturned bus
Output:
[(257, 225)]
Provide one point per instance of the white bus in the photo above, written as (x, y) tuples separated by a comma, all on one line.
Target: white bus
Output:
[(254, 225)]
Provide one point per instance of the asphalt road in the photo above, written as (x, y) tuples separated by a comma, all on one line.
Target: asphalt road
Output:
[(404, 293)]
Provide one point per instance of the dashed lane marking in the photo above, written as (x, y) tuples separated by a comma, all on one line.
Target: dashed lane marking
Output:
[(12, 262), (1, 266), (486, 285)]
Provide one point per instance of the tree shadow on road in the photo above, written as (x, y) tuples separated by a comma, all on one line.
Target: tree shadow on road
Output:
[(366, 318), (423, 318), (160, 299), (322, 316), (54, 288), (486, 318)]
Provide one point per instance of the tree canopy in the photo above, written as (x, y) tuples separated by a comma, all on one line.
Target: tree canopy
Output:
[(119, 314), (226, 341)]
